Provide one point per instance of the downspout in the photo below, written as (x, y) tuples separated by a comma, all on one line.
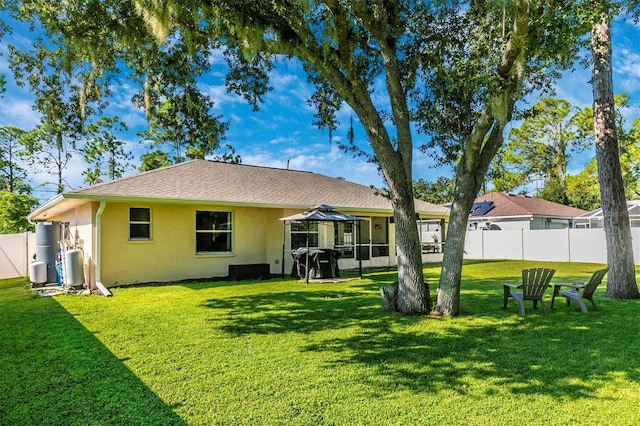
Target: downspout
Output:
[(97, 254)]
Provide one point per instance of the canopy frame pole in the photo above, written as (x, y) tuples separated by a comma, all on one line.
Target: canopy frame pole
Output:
[(284, 243), (307, 254), (360, 248)]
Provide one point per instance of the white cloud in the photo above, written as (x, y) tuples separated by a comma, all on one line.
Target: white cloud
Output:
[(216, 57), (626, 68), (280, 140), (18, 112), (219, 95), (320, 158), (574, 86)]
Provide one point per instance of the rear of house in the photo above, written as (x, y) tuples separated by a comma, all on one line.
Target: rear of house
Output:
[(195, 219)]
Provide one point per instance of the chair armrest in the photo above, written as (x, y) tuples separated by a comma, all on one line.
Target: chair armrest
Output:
[(512, 285), (576, 285), (506, 288)]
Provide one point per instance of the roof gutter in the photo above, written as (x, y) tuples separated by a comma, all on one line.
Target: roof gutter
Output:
[(98, 244)]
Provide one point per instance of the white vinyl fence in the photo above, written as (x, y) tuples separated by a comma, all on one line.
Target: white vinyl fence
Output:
[(16, 252), (561, 245)]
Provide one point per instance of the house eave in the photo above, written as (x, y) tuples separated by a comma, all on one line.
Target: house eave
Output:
[(57, 204), (72, 199)]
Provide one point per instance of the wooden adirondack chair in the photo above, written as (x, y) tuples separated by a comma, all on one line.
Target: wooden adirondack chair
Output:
[(580, 290), (535, 282)]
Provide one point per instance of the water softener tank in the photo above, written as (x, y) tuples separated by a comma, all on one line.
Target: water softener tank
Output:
[(74, 272), (38, 273), (48, 235)]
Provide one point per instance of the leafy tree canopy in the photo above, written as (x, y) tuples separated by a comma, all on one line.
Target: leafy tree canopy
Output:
[(154, 160), (14, 209), (13, 177), (540, 149), (438, 192)]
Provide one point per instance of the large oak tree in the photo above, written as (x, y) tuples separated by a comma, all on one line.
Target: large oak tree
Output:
[(424, 52), (81, 51), (497, 54), (455, 68)]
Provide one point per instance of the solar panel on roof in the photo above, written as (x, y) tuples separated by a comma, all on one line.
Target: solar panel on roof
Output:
[(481, 208)]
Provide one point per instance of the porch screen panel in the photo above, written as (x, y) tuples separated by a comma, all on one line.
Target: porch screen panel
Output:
[(344, 237), (379, 236)]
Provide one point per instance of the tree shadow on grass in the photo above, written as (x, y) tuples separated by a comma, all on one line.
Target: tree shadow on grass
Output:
[(565, 354), (303, 311), (56, 372)]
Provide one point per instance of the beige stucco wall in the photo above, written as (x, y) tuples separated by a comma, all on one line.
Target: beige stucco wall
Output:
[(171, 253)]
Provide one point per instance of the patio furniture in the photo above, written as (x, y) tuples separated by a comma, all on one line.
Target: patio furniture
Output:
[(535, 281), (323, 263), (580, 290)]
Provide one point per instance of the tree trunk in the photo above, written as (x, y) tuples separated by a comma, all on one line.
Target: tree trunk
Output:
[(396, 164), (467, 187), (413, 295), (621, 281)]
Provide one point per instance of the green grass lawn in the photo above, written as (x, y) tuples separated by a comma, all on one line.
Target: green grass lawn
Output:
[(284, 352)]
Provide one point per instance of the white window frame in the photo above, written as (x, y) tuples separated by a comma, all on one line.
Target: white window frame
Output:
[(140, 222), (228, 230)]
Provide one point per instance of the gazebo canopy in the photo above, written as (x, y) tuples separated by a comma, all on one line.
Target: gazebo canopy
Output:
[(321, 213)]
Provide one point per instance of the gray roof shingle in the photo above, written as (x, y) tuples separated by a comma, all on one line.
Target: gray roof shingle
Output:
[(238, 184)]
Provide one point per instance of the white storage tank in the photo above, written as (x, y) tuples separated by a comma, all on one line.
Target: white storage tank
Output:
[(38, 273), (48, 235), (74, 271)]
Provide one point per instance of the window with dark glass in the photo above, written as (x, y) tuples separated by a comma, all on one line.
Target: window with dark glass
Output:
[(139, 223), (213, 232)]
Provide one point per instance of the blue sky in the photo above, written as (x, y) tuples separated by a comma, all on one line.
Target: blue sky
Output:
[(281, 132)]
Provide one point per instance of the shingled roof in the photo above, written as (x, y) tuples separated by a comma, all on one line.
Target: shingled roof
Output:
[(243, 185), (508, 205)]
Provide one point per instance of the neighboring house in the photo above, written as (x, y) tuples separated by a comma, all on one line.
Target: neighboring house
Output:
[(498, 210), (595, 218), (194, 219)]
